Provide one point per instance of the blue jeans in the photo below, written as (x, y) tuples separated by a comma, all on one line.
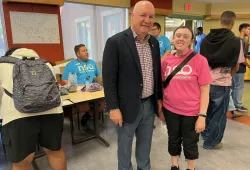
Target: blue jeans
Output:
[(231, 106), (238, 88), (142, 128), (216, 116)]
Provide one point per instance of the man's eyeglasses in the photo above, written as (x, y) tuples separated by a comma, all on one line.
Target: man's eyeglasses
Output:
[(154, 29)]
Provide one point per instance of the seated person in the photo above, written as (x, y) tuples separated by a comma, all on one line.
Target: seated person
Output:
[(86, 70)]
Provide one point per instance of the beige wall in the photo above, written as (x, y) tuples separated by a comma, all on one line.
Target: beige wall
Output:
[(160, 19), (238, 8), (198, 8), (209, 24), (218, 8), (116, 3)]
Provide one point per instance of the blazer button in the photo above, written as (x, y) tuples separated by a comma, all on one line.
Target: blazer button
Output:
[(141, 85)]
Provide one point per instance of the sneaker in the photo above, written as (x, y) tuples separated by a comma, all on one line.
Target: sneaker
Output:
[(218, 146), (174, 168), (236, 114), (85, 119), (242, 109)]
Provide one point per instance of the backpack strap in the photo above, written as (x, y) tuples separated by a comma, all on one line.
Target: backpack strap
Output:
[(8, 59), (43, 60), (8, 93)]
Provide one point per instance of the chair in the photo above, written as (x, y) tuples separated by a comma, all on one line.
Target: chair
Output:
[(59, 67)]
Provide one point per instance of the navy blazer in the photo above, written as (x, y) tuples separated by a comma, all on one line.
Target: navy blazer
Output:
[(122, 74)]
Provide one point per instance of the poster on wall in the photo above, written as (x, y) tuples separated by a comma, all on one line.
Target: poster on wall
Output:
[(34, 28)]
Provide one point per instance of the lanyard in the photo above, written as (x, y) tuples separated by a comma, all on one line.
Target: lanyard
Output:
[(87, 76)]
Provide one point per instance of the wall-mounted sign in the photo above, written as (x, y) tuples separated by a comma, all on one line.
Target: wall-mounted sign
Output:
[(188, 7)]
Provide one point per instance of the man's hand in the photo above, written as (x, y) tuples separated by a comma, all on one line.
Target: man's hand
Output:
[(116, 117)]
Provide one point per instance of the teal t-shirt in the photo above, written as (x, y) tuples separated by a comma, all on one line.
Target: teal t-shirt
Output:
[(165, 44), (86, 71)]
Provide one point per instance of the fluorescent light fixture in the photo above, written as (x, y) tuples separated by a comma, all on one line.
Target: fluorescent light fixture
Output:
[(169, 21)]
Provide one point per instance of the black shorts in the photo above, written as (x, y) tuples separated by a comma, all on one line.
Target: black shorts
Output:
[(20, 137)]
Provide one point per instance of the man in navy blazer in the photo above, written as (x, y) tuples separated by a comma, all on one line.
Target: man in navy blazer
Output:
[(133, 86)]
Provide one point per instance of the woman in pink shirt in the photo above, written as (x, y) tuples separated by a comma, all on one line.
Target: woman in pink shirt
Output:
[(185, 99)]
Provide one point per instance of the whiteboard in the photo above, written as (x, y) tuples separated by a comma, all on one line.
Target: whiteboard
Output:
[(34, 28)]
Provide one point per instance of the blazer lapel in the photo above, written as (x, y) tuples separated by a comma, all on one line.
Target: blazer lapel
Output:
[(132, 46), (154, 53), (152, 47)]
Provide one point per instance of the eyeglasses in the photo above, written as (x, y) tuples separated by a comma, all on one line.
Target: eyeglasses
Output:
[(154, 29)]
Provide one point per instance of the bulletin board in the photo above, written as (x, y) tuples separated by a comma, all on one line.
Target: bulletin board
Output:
[(35, 28), (49, 49)]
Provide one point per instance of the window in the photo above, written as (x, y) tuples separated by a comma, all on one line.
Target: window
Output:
[(2, 32), (90, 25)]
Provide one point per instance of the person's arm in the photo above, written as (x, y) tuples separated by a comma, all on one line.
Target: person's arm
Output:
[(110, 78), (204, 80), (246, 63), (159, 77), (241, 59), (110, 74), (165, 55), (65, 75), (97, 71), (235, 69), (204, 90), (167, 49)]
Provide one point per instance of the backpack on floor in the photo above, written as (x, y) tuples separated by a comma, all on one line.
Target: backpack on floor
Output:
[(34, 86)]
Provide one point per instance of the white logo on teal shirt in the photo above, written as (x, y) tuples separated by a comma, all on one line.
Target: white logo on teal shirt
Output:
[(88, 68)]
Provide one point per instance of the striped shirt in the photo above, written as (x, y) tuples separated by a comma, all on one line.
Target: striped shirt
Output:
[(146, 61)]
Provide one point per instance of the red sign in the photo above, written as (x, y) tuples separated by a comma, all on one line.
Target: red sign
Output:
[(188, 7)]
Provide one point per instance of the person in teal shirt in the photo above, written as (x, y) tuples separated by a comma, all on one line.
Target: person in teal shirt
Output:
[(165, 45), (86, 70)]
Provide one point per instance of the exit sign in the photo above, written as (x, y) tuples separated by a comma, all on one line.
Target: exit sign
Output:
[(188, 7)]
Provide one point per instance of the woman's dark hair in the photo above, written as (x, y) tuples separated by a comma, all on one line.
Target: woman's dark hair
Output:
[(184, 27), (10, 51)]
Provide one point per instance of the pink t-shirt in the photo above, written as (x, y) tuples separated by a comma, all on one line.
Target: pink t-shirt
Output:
[(182, 95), (222, 75)]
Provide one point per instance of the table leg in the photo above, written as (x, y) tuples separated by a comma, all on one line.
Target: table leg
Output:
[(72, 123), (97, 127)]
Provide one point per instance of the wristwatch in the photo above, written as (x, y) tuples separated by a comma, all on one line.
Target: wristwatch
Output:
[(202, 115)]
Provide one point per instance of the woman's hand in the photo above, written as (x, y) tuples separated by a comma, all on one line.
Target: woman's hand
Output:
[(200, 124), (161, 116)]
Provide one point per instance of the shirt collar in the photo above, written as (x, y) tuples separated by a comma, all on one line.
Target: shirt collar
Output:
[(137, 38)]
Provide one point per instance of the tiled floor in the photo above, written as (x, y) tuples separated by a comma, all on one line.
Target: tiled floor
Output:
[(246, 96), (93, 155)]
